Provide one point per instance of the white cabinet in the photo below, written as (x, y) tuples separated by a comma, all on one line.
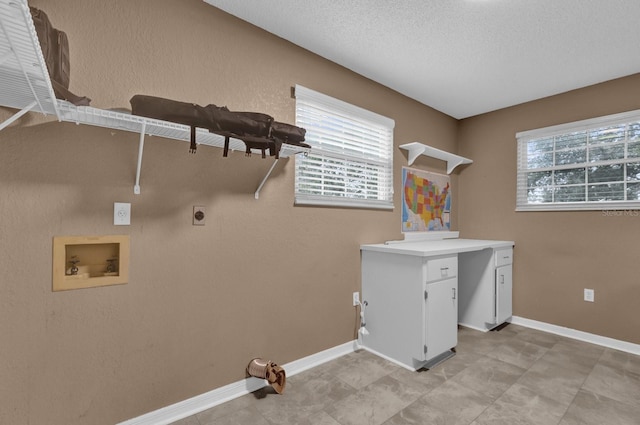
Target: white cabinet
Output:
[(441, 321), (504, 285), (504, 293), (412, 311), (486, 288), (418, 291)]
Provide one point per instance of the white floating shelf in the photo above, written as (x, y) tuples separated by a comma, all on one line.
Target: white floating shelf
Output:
[(416, 149)]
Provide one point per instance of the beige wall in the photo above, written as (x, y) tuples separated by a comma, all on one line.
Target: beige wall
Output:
[(557, 254), (262, 278)]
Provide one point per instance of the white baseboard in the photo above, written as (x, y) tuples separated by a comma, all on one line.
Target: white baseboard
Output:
[(604, 341), (202, 402)]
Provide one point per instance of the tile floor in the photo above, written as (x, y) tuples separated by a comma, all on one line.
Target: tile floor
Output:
[(513, 376)]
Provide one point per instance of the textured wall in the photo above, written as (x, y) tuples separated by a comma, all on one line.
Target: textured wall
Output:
[(262, 278), (558, 253)]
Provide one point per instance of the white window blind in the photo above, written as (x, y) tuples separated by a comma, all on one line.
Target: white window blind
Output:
[(351, 158), (590, 165)]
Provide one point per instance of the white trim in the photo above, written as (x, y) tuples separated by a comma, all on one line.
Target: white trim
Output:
[(353, 161), (202, 402), (629, 120), (304, 199), (304, 93), (428, 236), (555, 130), (306, 363), (583, 206), (604, 341)]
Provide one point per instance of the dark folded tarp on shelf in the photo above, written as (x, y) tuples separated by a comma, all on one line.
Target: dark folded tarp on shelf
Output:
[(256, 130)]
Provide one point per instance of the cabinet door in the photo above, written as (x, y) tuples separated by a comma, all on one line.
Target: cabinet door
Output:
[(441, 327), (393, 287), (504, 293)]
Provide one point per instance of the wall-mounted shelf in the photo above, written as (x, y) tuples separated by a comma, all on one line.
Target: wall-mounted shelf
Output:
[(90, 261), (416, 149), (24, 81), (152, 127), (25, 85)]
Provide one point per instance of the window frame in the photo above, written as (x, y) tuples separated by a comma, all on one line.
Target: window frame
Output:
[(332, 151), (588, 127)]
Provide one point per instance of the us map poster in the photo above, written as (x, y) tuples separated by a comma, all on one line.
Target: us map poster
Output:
[(426, 201)]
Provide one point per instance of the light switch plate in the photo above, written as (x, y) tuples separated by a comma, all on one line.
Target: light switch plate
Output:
[(121, 214), (589, 295)]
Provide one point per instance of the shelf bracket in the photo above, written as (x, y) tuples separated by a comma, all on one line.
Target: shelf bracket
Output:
[(257, 194), (136, 187), (18, 114), (414, 151), (453, 163)]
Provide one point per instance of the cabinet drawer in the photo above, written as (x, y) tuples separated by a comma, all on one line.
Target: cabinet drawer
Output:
[(442, 268), (504, 256)]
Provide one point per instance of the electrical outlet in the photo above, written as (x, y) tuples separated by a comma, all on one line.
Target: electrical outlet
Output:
[(121, 214), (356, 298), (589, 295), (198, 215)]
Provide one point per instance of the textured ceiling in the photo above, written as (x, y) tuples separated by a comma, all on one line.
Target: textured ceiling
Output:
[(462, 57)]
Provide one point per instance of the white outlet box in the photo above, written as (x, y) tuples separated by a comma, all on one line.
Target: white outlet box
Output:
[(356, 298), (121, 214), (589, 295)]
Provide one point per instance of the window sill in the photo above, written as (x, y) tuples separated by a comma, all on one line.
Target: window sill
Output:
[(582, 206), (321, 201)]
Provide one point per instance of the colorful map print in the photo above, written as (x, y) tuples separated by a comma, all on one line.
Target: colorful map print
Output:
[(426, 201)]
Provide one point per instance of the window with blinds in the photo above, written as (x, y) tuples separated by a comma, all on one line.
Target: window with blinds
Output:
[(351, 158), (592, 165)]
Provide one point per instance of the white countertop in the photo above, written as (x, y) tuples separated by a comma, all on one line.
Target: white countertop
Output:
[(430, 248)]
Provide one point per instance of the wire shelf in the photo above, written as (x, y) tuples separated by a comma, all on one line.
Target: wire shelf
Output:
[(24, 79), (153, 127), (25, 85)]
